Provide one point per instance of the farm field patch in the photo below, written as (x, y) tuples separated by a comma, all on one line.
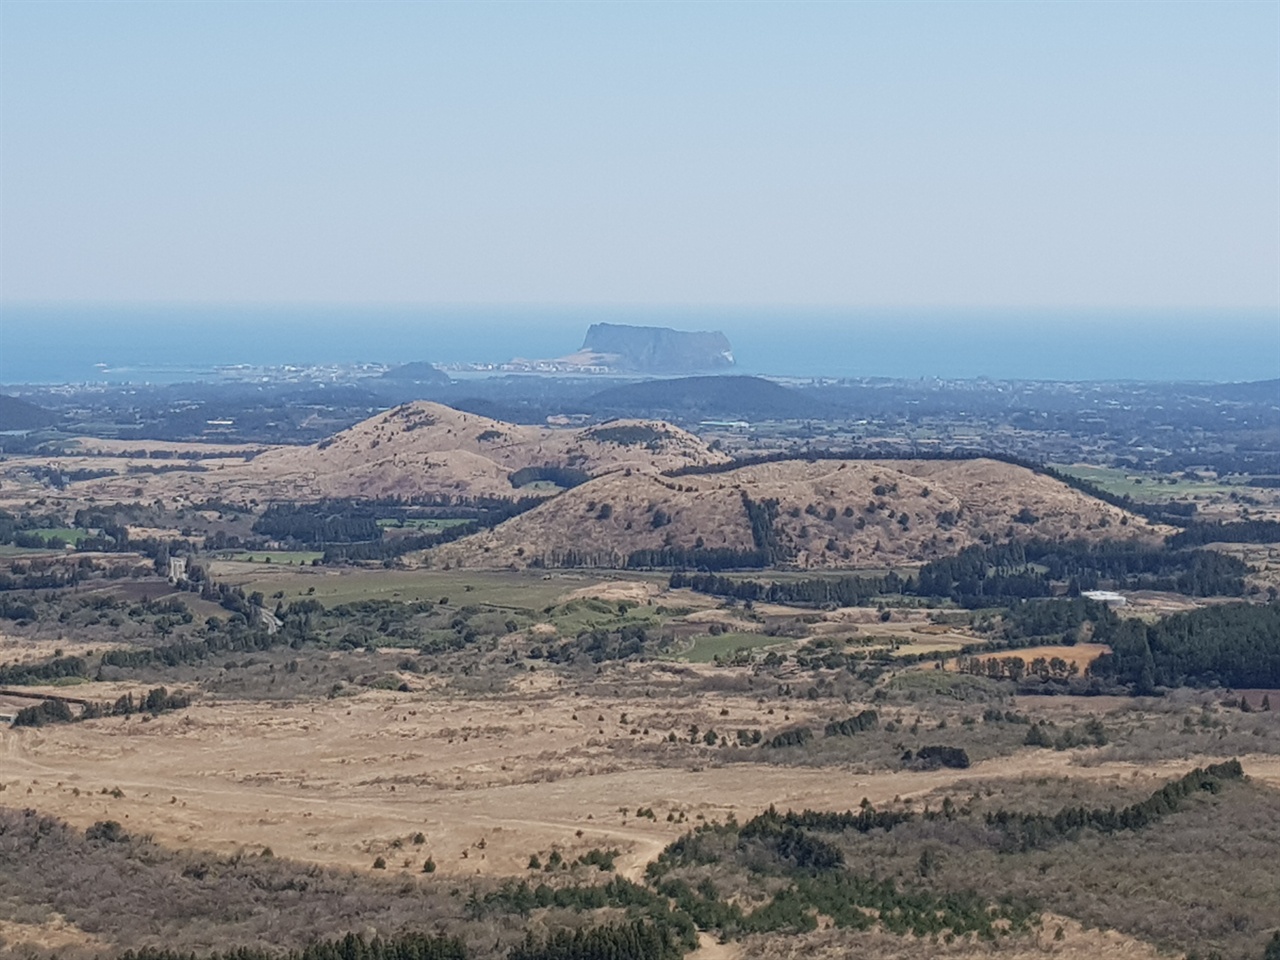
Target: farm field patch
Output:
[(705, 649), (1152, 488), (281, 557), (508, 589)]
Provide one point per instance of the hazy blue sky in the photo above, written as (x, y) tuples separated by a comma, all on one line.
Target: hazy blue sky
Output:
[(909, 154)]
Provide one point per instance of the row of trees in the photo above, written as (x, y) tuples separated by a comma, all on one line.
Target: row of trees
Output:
[(848, 591), (349, 527), (761, 514), (858, 723), (866, 819), (1241, 531), (405, 946), (1024, 831), (234, 637), (820, 883), (699, 558), (637, 940), (58, 668), (315, 524), (816, 878), (978, 576), (58, 710), (1017, 669)]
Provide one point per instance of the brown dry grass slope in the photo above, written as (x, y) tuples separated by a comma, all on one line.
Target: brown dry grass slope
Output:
[(831, 513), (418, 449)]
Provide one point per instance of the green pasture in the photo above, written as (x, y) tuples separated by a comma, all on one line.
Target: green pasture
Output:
[(507, 589), (67, 534), (1148, 487), (578, 615), (10, 551), (706, 649)]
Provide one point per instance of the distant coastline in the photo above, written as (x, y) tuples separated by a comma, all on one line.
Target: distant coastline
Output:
[(53, 344)]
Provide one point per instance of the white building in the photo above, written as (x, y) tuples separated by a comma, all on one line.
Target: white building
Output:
[(1109, 597)]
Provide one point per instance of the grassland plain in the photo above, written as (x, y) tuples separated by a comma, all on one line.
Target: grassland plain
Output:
[(474, 720), (68, 535), (489, 782), (378, 760), (707, 648), (339, 781), (514, 590), (9, 550), (1155, 488)]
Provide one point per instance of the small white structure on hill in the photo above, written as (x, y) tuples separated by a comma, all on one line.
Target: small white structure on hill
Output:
[(1109, 597), (177, 569)]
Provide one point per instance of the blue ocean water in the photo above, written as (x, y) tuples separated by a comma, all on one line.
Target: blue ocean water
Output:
[(60, 344)]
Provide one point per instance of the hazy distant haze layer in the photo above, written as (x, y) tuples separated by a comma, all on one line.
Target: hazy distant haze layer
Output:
[(888, 155)]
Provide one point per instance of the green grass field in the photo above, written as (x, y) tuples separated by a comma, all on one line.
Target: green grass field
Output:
[(67, 534), (706, 649), (590, 614), (512, 590), (1147, 487), (9, 550)]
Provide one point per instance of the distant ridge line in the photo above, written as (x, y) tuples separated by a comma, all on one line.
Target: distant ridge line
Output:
[(1171, 514), (956, 453)]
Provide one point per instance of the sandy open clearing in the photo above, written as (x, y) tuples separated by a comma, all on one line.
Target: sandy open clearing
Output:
[(487, 782)]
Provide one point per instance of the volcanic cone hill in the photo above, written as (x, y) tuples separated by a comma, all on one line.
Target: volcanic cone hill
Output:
[(17, 414), (426, 449), (826, 513)]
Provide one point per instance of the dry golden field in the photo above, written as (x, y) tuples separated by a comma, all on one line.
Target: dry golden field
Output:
[(473, 709), (490, 781)]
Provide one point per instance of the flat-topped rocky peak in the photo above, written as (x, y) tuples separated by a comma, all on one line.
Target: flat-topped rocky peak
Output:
[(658, 349)]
